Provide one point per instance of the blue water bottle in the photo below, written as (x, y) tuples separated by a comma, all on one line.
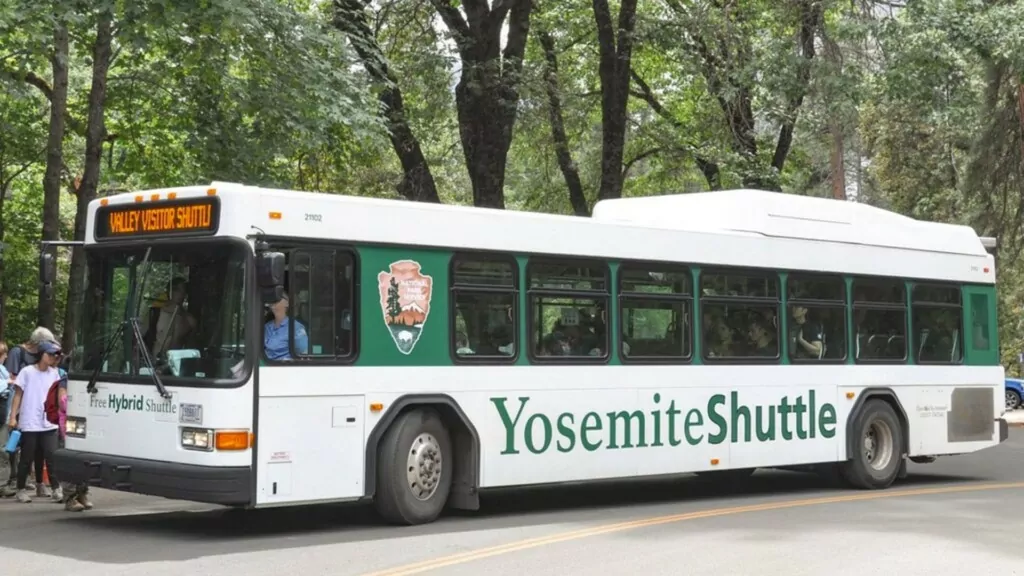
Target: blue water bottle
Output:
[(12, 441)]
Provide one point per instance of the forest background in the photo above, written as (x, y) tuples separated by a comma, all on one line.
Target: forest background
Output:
[(540, 105)]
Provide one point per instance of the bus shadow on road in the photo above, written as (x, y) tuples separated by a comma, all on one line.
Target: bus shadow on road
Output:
[(152, 536)]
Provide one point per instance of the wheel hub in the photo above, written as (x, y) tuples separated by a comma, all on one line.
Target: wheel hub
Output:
[(424, 466), (878, 445)]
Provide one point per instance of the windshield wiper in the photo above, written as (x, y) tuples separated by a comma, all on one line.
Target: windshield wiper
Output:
[(131, 321)]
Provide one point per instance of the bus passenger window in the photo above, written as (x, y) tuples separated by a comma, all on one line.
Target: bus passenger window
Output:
[(654, 305), (879, 320), (817, 317), (484, 295), (568, 301), (740, 313), (936, 315)]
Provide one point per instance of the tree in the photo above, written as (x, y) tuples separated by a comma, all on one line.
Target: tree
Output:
[(570, 171), (418, 183), (21, 121), (723, 39), (616, 52), (487, 94), (95, 136)]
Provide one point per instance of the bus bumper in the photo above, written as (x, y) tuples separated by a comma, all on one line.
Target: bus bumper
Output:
[(228, 486), (1004, 430)]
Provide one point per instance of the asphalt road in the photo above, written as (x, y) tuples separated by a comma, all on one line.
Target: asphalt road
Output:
[(961, 515)]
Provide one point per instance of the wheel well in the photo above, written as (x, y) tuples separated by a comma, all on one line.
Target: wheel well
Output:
[(465, 445), (889, 397)]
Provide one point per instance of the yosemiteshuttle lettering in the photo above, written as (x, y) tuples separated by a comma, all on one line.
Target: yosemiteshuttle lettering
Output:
[(790, 419)]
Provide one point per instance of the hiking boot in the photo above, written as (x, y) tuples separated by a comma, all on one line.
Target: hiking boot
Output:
[(8, 491), (23, 497), (58, 494), (83, 499), (73, 505), (43, 491)]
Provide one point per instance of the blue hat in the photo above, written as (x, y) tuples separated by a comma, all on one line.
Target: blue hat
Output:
[(49, 347)]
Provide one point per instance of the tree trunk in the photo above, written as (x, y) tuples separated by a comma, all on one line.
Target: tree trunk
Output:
[(54, 157), (1020, 119), (577, 198), (482, 129), (95, 135), (836, 160), (616, 52), (487, 94), (417, 181)]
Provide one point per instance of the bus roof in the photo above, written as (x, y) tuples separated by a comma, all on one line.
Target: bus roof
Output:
[(790, 216), (732, 227)]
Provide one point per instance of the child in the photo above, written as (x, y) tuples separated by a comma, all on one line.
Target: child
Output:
[(28, 414)]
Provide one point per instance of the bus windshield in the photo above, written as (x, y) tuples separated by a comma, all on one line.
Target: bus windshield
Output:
[(191, 312)]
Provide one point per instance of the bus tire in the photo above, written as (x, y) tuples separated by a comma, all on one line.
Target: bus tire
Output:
[(879, 447), (414, 468)]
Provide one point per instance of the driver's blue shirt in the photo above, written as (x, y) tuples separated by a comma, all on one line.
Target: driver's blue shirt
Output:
[(275, 340)]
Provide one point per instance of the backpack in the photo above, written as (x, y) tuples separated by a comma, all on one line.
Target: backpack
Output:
[(52, 404)]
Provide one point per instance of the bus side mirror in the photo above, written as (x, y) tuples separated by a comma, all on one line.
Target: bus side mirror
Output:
[(47, 268), (270, 268)]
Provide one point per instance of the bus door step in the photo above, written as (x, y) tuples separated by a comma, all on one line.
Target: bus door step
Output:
[(94, 476), (120, 477)]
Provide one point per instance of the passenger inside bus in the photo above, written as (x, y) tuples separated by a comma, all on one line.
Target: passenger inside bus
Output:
[(806, 339), (762, 341), (718, 336)]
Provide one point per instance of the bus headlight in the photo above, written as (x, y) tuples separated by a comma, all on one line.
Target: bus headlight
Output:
[(75, 427), (197, 439)]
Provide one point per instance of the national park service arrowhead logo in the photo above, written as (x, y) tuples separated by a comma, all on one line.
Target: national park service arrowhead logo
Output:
[(405, 300)]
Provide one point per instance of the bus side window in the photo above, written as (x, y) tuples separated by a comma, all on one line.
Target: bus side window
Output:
[(654, 303), (936, 316), (322, 300), (484, 295), (740, 310), (345, 290), (817, 317), (880, 320)]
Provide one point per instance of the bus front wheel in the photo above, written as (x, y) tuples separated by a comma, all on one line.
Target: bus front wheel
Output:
[(876, 461), (414, 468)]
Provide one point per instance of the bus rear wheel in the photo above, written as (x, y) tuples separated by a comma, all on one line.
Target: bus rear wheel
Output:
[(414, 468), (875, 463)]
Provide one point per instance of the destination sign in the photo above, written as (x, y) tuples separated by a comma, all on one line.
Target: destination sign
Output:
[(192, 216)]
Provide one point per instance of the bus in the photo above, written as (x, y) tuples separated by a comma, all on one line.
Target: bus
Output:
[(253, 347)]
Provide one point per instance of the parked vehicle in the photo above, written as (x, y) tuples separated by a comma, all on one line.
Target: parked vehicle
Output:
[(1014, 393)]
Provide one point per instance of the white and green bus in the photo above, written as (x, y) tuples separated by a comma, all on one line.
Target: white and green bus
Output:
[(253, 347)]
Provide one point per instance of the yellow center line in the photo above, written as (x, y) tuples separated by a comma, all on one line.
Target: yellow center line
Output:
[(519, 545)]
